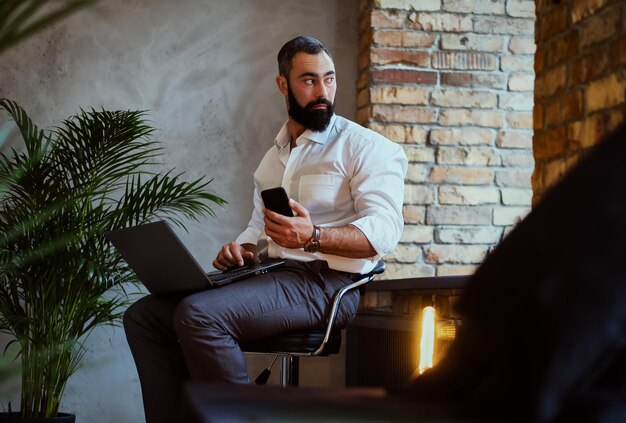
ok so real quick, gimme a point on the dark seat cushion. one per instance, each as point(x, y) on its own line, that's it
point(305, 341)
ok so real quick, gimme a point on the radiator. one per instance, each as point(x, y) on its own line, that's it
point(383, 342)
point(381, 351)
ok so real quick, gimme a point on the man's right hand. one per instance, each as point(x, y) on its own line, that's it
point(233, 254)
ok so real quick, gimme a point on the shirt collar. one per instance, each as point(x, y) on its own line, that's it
point(283, 137)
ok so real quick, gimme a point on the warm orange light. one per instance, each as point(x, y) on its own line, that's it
point(427, 340)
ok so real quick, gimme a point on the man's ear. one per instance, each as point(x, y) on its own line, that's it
point(281, 81)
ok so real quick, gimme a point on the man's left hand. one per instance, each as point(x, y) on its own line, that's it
point(289, 232)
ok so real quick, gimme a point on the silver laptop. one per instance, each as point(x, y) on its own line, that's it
point(164, 265)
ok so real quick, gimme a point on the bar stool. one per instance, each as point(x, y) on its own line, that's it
point(290, 346)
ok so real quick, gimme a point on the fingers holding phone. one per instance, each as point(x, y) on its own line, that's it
point(277, 200)
point(281, 225)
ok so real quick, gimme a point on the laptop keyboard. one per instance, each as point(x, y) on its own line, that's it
point(216, 277)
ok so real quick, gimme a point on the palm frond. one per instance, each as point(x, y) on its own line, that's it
point(20, 19)
point(103, 147)
point(164, 196)
point(34, 138)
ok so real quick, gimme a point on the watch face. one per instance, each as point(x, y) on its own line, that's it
point(312, 247)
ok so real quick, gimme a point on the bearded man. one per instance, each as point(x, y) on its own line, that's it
point(346, 187)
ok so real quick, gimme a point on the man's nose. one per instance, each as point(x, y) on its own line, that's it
point(322, 91)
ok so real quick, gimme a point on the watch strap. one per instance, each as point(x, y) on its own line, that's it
point(313, 244)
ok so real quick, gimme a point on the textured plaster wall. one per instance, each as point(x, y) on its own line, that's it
point(204, 70)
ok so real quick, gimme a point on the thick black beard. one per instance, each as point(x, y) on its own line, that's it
point(315, 120)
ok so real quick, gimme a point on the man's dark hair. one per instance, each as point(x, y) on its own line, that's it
point(307, 45)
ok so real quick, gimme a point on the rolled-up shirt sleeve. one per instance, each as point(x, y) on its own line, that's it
point(377, 188)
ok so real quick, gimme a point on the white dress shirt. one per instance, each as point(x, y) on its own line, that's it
point(347, 174)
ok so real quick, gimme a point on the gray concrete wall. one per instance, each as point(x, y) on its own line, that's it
point(204, 70)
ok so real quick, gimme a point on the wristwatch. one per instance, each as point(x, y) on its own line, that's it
point(313, 244)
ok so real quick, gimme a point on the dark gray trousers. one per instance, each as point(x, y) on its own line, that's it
point(197, 338)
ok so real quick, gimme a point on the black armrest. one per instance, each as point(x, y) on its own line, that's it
point(377, 270)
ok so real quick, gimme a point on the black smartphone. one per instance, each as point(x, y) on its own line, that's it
point(276, 200)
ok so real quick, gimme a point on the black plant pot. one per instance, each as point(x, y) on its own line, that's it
point(17, 418)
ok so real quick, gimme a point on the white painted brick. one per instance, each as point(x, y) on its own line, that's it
point(420, 234)
point(522, 45)
point(405, 253)
point(513, 178)
point(444, 22)
point(468, 234)
point(402, 271)
point(460, 254)
point(457, 98)
point(515, 139)
point(504, 216)
point(416, 173)
point(468, 156)
point(516, 101)
point(517, 64)
point(418, 194)
point(414, 214)
point(517, 197)
point(409, 134)
point(458, 215)
point(474, 42)
point(518, 159)
point(462, 117)
point(419, 154)
point(503, 25)
point(464, 136)
point(415, 134)
point(399, 95)
point(466, 147)
point(478, 7)
point(461, 195)
point(523, 120)
point(521, 8)
point(459, 175)
point(522, 82)
point(408, 4)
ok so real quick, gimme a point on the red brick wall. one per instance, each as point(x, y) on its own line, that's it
point(580, 90)
point(452, 81)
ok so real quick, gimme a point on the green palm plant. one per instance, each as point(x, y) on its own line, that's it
point(19, 19)
point(59, 277)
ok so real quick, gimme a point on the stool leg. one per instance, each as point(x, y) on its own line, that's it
point(289, 371)
point(295, 371)
point(285, 370)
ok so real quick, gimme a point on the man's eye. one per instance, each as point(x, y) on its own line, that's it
point(309, 81)
point(330, 80)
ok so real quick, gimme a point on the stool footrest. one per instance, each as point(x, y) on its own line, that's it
point(297, 342)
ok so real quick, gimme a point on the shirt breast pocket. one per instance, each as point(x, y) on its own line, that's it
point(318, 193)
